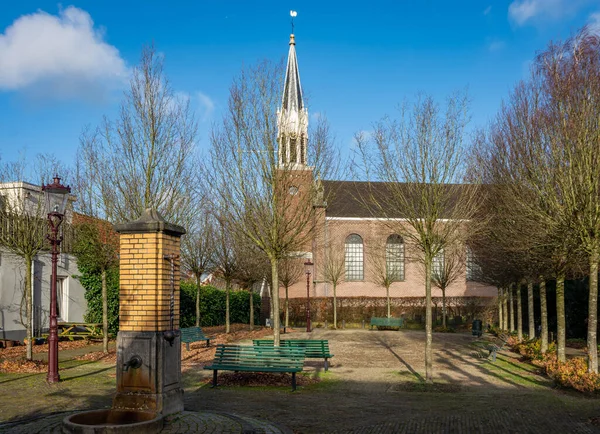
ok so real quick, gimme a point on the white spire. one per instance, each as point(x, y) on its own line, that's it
point(292, 117)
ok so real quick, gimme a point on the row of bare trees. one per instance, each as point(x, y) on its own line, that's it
point(539, 163)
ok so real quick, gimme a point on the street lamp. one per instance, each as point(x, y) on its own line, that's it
point(56, 196)
point(308, 269)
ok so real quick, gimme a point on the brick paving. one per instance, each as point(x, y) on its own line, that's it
point(370, 388)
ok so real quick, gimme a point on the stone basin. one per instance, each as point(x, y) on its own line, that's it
point(113, 421)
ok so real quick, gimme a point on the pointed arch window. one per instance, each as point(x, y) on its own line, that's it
point(354, 257)
point(303, 150)
point(283, 150)
point(293, 150)
point(394, 258)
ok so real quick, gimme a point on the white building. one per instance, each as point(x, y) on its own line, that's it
point(71, 303)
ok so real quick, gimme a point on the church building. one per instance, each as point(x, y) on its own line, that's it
point(349, 235)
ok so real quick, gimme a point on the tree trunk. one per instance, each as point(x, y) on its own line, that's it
point(275, 301)
point(592, 341)
point(500, 314)
point(287, 308)
point(428, 324)
point(531, 317)
point(389, 306)
point(227, 324)
point(519, 313)
point(28, 306)
point(104, 313)
point(444, 308)
point(334, 306)
point(512, 309)
point(505, 308)
point(544, 315)
point(561, 329)
point(251, 309)
point(198, 300)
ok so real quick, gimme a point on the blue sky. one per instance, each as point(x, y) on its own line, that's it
point(64, 65)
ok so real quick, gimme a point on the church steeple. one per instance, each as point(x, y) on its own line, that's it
point(292, 117)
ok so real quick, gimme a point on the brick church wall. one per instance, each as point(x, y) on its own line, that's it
point(333, 232)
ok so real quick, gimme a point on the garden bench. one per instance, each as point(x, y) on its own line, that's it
point(257, 359)
point(313, 348)
point(193, 334)
point(497, 346)
point(387, 322)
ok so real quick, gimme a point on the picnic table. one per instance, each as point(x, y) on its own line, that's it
point(72, 330)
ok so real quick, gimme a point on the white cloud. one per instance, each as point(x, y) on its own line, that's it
point(523, 11)
point(594, 22)
point(496, 45)
point(207, 106)
point(487, 10)
point(59, 56)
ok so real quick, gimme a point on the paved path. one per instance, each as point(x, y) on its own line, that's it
point(374, 386)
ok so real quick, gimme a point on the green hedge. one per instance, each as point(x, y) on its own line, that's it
point(212, 306)
point(92, 282)
point(212, 303)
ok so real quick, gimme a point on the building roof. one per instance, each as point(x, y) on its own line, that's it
point(356, 199)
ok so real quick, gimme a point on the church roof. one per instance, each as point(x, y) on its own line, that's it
point(351, 199)
point(292, 94)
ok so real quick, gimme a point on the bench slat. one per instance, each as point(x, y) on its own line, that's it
point(193, 334)
point(314, 348)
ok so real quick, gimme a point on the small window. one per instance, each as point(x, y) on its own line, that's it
point(394, 258)
point(437, 265)
point(354, 258)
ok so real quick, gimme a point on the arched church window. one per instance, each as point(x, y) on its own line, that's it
point(303, 150)
point(354, 257)
point(283, 151)
point(293, 151)
point(394, 258)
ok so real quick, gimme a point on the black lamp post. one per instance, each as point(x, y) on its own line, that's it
point(308, 269)
point(56, 202)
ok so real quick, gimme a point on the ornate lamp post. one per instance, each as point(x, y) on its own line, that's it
point(308, 269)
point(56, 196)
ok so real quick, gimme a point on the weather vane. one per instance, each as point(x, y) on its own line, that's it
point(293, 14)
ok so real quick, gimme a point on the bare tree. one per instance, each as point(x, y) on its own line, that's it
point(226, 264)
point(290, 271)
point(144, 158)
point(449, 270)
point(252, 267)
point(419, 157)
point(198, 253)
point(23, 229)
point(571, 84)
point(334, 270)
point(270, 203)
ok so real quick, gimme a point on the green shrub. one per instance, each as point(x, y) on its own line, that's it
point(212, 306)
point(532, 349)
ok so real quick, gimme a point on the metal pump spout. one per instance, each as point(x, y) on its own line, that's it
point(134, 362)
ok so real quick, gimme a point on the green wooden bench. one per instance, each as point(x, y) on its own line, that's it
point(387, 322)
point(313, 348)
point(193, 334)
point(498, 345)
point(257, 359)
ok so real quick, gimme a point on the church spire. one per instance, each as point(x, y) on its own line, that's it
point(292, 117)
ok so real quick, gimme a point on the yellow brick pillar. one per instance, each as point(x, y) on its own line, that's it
point(148, 342)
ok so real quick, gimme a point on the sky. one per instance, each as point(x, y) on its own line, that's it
point(64, 66)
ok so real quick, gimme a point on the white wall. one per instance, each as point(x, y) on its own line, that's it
point(12, 282)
